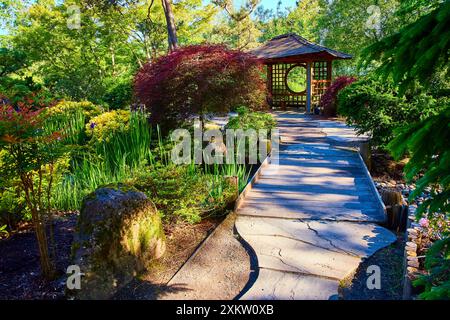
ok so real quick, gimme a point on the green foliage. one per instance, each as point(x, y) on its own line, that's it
point(374, 108)
point(240, 171)
point(111, 42)
point(170, 188)
point(119, 95)
point(88, 109)
point(120, 146)
point(11, 61)
point(428, 144)
point(3, 231)
point(437, 262)
point(247, 119)
point(30, 154)
point(106, 125)
point(304, 19)
point(12, 207)
point(417, 51)
point(12, 201)
point(351, 25)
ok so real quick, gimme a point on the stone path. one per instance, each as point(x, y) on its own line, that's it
point(313, 217)
point(218, 270)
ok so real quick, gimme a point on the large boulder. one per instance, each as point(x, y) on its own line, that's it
point(119, 234)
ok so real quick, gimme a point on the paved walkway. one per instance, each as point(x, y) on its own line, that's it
point(312, 218)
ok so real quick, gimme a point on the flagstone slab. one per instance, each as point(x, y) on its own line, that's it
point(357, 239)
point(276, 285)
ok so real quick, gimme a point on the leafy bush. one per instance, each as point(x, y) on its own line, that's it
point(103, 127)
point(119, 96)
point(12, 207)
point(171, 187)
point(88, 109)
point(120, 146)
point(428, 144)
point(12, 201)
point(247, 119)
point(199, 79)
point(374, 108)
point(328, 102)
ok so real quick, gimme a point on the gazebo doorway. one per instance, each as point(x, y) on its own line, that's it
point(298, 71)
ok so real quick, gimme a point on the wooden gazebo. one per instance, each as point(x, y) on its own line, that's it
point(291, 56)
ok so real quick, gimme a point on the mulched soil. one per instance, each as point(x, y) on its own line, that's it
point(182, 239)
point(19, 263)
point(385, 168)
point(20, 272)
point(390, 261)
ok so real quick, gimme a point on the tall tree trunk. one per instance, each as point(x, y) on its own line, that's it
point(171, 29)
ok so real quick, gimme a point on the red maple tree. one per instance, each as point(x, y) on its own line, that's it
point(328, 101)
point(197, 79)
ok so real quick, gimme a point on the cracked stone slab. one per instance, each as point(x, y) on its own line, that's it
point(357, 239)
point(276, 285)
point(285, 252)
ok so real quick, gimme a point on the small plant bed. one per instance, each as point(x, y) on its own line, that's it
point(20, 274)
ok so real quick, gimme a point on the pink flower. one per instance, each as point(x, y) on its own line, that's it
point(423, 222)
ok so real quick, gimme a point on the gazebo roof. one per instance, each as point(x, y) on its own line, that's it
point(291, 45)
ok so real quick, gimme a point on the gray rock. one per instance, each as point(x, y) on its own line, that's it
point(119, 234)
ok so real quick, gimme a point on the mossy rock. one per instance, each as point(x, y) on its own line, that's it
point(119, 234)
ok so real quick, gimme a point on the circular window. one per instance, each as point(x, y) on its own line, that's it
point(296, 79)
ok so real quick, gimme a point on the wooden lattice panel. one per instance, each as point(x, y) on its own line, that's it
point(281, 95)
point(321, 80)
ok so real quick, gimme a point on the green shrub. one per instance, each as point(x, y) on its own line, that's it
point(374, 108)
point(104, 126)
point(247, 119)
point(437, 281)
point(89, 109)
point(119, 95)
point(12, 207)
point(181, 192)
point(70, 118)
point(428, 144)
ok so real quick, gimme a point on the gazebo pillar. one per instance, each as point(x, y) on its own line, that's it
point(308, 86)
